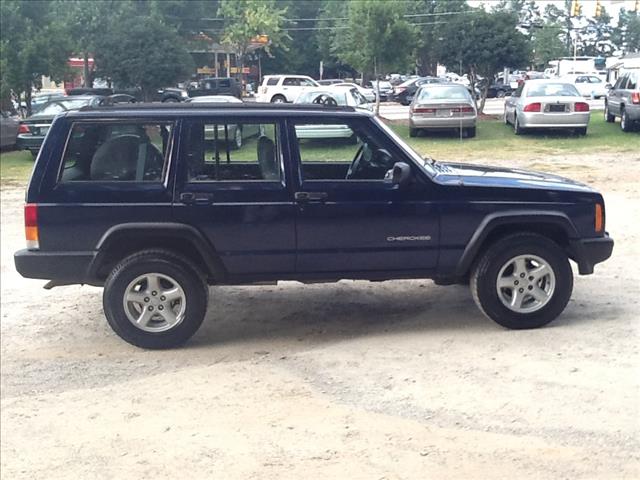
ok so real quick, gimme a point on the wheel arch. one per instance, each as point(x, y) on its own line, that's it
point(125, 239)
point(554, 225)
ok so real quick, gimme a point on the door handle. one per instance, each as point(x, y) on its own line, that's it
point(191, 198)
point(303, 197)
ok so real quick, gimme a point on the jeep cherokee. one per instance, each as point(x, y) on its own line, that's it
point(151, 202)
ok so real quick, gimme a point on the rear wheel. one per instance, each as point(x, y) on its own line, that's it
point(625, 124)
point(413, 132)
point(500, 94)
point(278, 99)
point(522, 281)
point(170, 100)
point(517, 129)
point(607, 116)
point(581, 131)
point(470, 132)
point(155, 299)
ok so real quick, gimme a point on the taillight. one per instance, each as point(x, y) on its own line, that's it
point(581, 107)
point(462, 110)
point(635, 97)
point(599, 218)
point(23, 128)
point(424, 110)
point(533, 107)
point(31, 226)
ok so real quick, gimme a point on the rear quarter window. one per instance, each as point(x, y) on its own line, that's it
point(117, 152)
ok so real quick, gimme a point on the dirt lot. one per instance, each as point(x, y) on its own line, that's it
point(393, 380)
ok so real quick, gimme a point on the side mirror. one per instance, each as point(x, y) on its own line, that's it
point(608, 86)
point(399, 175)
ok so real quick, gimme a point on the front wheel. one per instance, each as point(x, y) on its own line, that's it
point(155, 299)
point(607, 116)
point(522, 281)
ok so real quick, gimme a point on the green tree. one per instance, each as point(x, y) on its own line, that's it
point(548, 45)
point(33, 45)
point(596, 39)
point(375, 38)
point(626, 34)
point(246, 19)
point(429, 27)
point(484, 43)
point(142, 52)
point(83, 21)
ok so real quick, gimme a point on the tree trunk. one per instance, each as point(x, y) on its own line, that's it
point(27, 100)
point(86, 81)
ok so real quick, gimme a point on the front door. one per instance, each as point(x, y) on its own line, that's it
point(234, 192)
point(348, 218)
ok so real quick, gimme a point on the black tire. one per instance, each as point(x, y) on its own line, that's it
point(278, 99)
point(164, 262)
point(470, 132)
point(581, 131)
point(485, 275)
point(500, 94)
point(413, 132)
point(517, 129)
point(607, 116)
point(171, 100)
point(625, 124)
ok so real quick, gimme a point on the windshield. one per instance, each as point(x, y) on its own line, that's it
point(443, 93)
point(63, 105)
point(552, 90)
point(309, 97)
point(425, 163)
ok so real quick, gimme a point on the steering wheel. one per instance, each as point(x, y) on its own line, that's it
point(356, 165)
point(326, 100)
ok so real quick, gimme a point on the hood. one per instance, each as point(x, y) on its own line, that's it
point(502, 177)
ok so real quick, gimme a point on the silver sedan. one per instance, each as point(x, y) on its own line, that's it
point(549, 104)
point(443, 106)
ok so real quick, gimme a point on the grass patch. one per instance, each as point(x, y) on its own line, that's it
point(496, 140)
point(15, 166)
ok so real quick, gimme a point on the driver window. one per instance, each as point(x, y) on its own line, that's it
point(338, 151)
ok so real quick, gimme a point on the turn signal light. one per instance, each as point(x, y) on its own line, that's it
point(533, 107)
point(23, 128)
point(599, 218)
point(635, 97)
point(31, 226)
point(581, 107)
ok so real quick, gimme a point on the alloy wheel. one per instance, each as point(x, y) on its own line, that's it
point(525, 283)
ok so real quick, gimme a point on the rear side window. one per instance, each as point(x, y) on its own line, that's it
point(117, 152)
point(632, 84)
point(218, 152)
point(273, 81)
point(224, 83)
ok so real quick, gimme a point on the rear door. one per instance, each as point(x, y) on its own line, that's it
point(348, 218)
point(237, 196)
point(615, 95)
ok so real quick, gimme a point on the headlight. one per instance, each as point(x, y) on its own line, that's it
point(184, 94)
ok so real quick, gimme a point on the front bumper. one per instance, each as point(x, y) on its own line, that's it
point(62, 267)
point(591, 251)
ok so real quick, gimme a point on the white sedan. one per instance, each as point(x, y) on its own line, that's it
point(367, 93)
point(550, 104)
point(588, 85)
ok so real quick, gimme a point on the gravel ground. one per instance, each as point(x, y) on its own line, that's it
point(352, 380)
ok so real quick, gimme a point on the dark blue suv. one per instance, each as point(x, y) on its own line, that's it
point(157, 202)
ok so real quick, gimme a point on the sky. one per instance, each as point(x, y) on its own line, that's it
point(588, 6)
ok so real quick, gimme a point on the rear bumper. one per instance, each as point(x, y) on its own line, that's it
point(445, 122)
point(591, 251)
point(29, 142)
point(554, 120)
point(63, 267)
